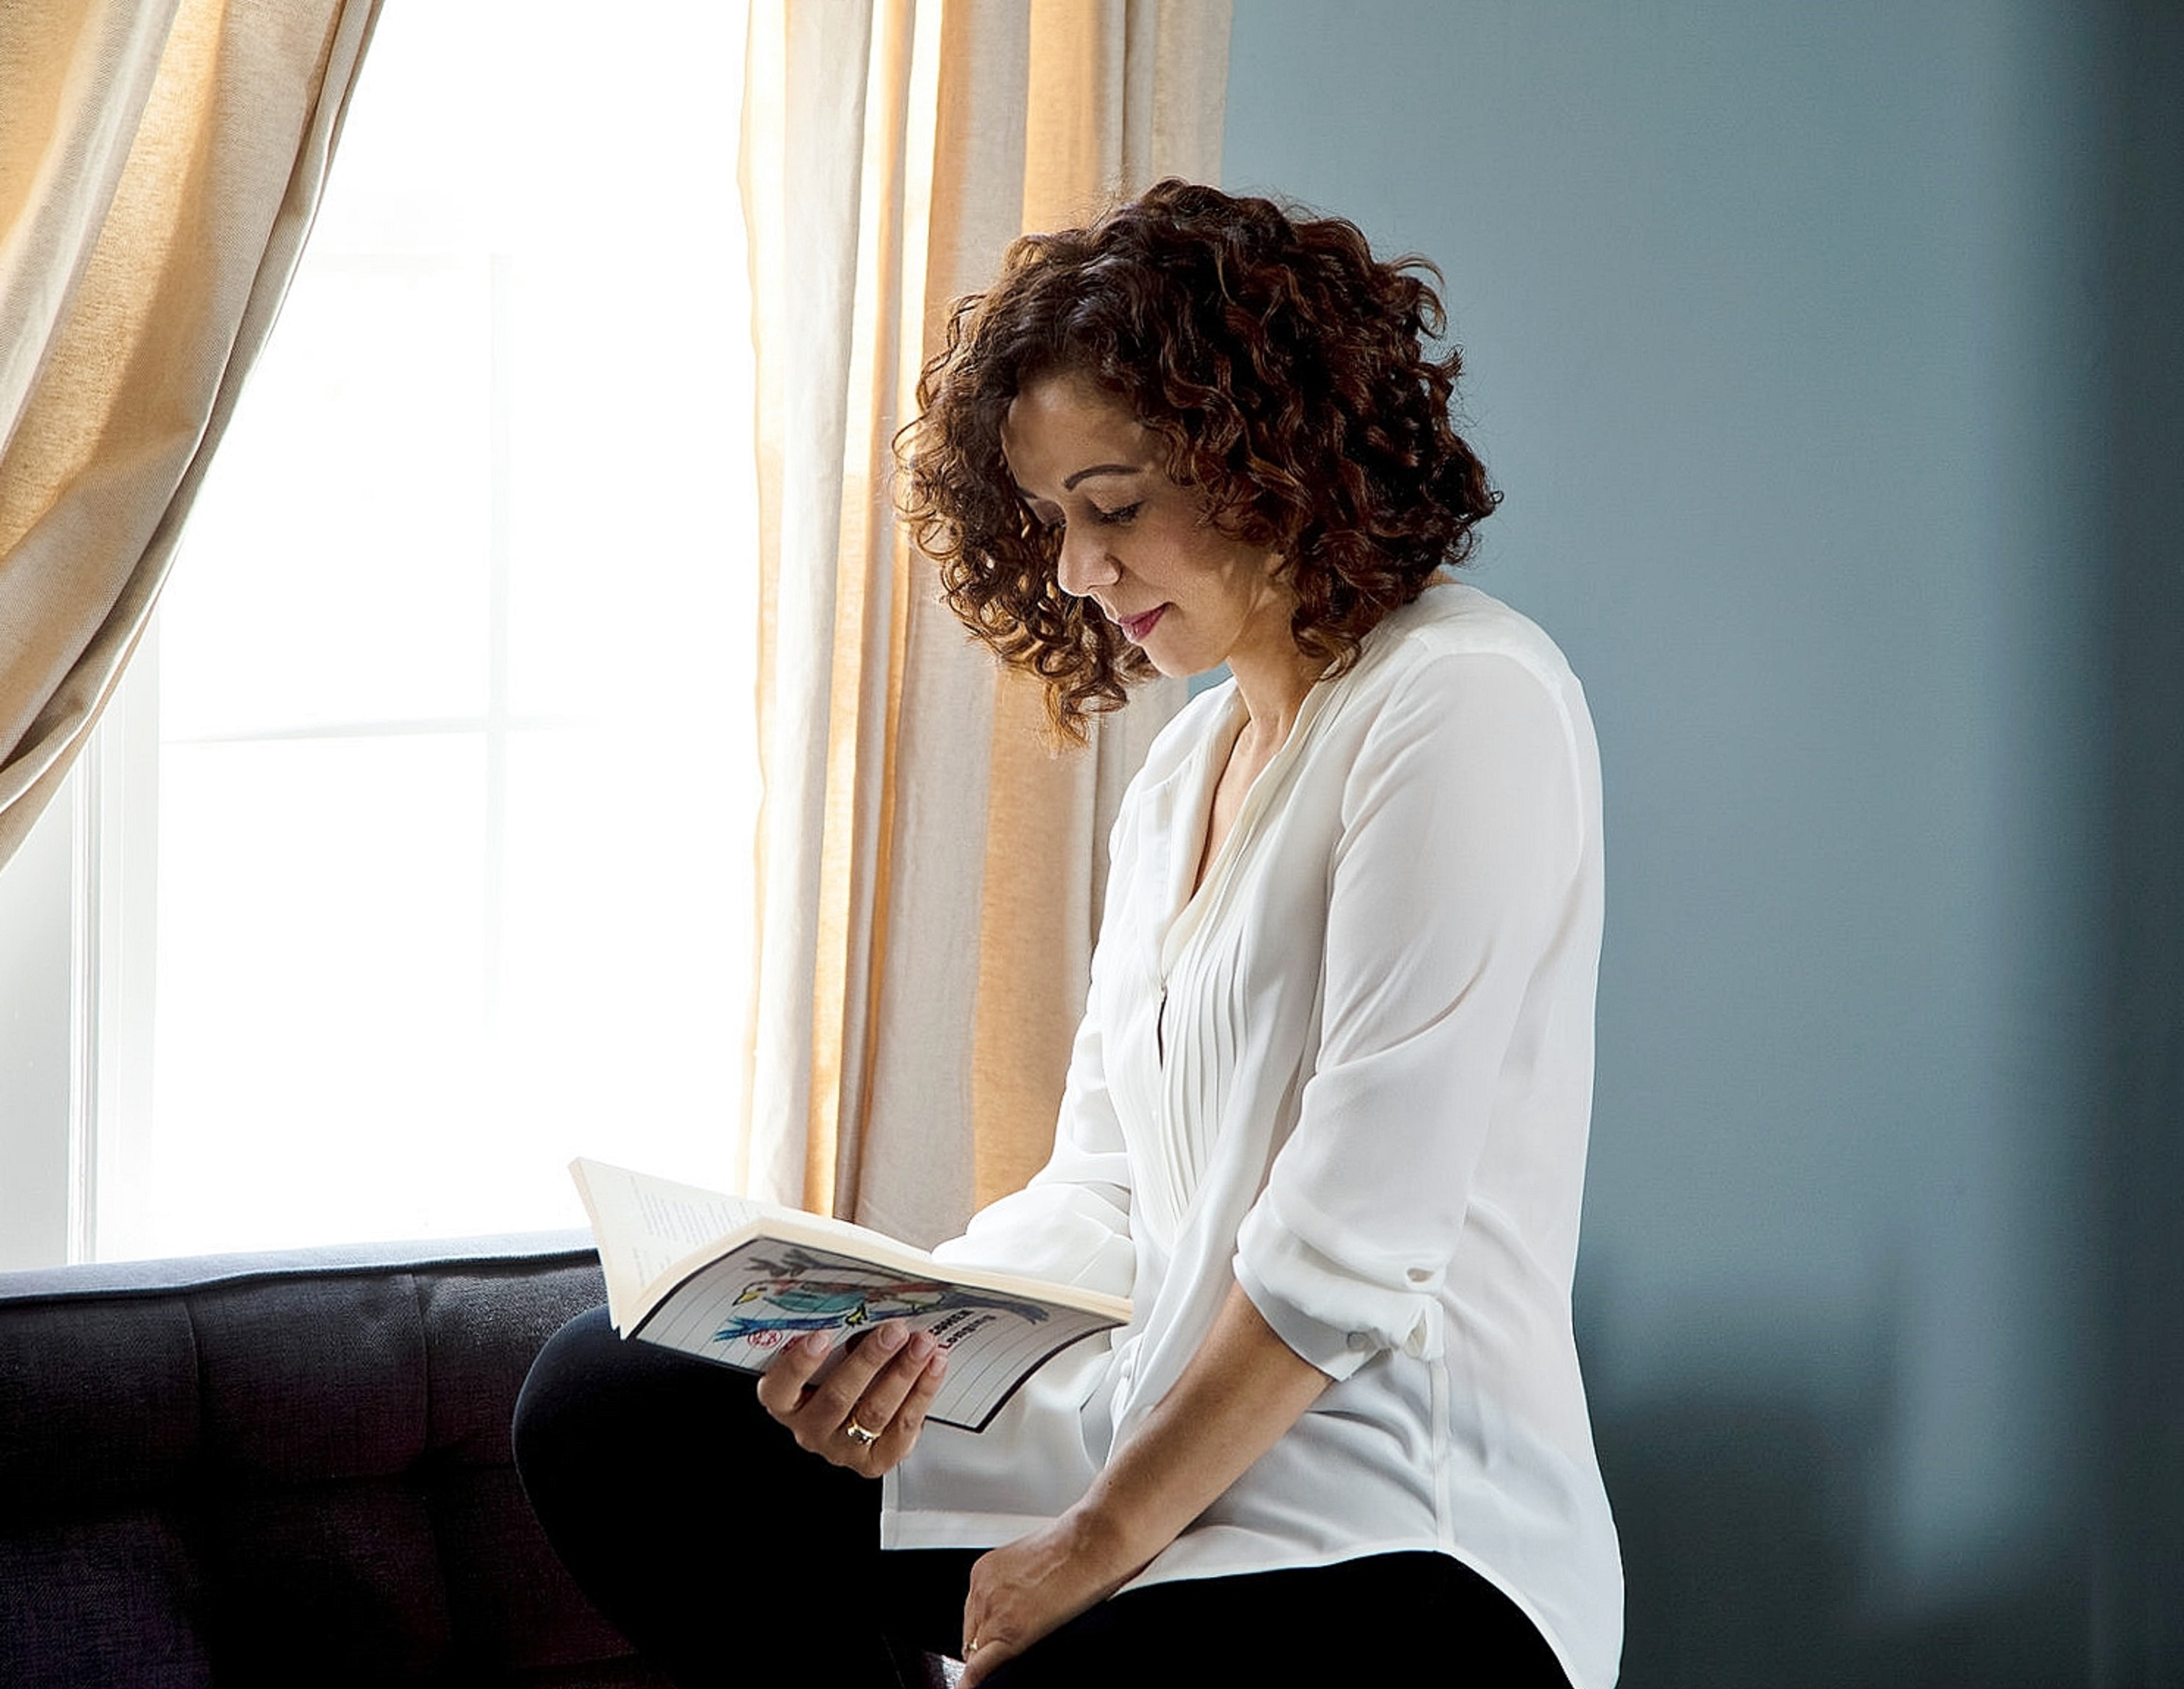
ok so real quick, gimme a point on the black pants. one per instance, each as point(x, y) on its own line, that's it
point(730, 1557)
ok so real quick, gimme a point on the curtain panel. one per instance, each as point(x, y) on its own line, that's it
point(160, 162)
point(929, 867)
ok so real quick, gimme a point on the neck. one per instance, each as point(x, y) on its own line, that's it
point(1272, 684)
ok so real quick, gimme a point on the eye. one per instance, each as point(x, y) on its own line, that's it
point(1117, 518)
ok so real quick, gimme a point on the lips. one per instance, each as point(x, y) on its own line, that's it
point(1135, 628)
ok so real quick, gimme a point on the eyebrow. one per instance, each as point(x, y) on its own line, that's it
point(1070, 485)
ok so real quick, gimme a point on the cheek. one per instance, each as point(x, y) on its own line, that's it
point(1246, 575)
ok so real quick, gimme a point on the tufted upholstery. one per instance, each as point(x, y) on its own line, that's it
point(286, 1469)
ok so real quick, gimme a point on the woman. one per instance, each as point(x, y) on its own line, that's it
point(1327, 1113)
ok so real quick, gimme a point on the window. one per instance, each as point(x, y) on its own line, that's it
point(452, 801)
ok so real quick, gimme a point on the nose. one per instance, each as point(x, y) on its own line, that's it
point(1084, 563)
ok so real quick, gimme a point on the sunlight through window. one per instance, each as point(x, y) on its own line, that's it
point(456, 781)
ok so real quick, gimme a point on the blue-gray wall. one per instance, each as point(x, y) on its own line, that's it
point(1802, 342)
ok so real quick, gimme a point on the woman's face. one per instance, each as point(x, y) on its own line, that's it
point(1135, 543)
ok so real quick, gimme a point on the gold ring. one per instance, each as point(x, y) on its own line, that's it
point(857, 1434)
point(972, 1648)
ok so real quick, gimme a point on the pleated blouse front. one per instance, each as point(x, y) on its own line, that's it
point(1352, 1072)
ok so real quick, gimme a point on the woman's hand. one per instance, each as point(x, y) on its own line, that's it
point(1038, 1583)
point(867, 1412)
point(1240, 1392)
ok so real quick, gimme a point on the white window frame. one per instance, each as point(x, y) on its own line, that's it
point(37, 959)
point(78, 905)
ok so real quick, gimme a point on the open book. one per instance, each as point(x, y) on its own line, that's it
point(734, 1280)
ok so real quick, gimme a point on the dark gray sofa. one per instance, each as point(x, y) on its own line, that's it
point(290, 1468)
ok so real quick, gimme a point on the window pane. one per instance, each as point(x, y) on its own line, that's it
point(321, 959)
point(337, 567)
point(458, 779)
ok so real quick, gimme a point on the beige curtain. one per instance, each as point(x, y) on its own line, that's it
point(930, 869)
point(160, 161)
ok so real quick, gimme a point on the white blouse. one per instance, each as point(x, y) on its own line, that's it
point(1353, 1074)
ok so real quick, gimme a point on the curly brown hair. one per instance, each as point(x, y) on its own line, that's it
point(1285, 368)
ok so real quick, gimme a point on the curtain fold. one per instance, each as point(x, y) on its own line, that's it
point(159, 167)
point(929, 868)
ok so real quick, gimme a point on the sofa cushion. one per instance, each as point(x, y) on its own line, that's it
point(94, 1410)
point(287, 1468)
point(307, 1378)
point(112, 1600)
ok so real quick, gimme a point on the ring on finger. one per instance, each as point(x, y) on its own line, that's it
point(858, 1435)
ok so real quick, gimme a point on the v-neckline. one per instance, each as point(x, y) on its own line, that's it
point(1188, 892)
point(1188, 903)
point(1220, 761)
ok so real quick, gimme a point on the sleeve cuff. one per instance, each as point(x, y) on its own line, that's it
point(1329, 1348)
point(1332, 1318)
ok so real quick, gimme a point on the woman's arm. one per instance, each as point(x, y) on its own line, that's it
point(1459, 938)
point(1241, 1391)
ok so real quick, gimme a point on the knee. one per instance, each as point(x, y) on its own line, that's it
point(600, 1411)
point(562, 1386)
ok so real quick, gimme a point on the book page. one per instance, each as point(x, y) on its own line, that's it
point(646, 1225)
point(743, 1309)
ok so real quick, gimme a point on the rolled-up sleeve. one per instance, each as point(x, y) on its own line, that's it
point(1456, 865)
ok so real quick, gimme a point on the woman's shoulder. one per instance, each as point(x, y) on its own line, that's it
point(1455, 619)
point(1404, 655)
point(1462, 682)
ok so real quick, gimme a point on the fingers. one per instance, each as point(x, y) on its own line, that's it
point(910, 1414)
point(828, 1406)
point(883, 1385)
point(789, 1392)
point(894, 1405)
point(983, 1657)
point(986, 1641)
point(878, 1405)
point(780, 1386)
